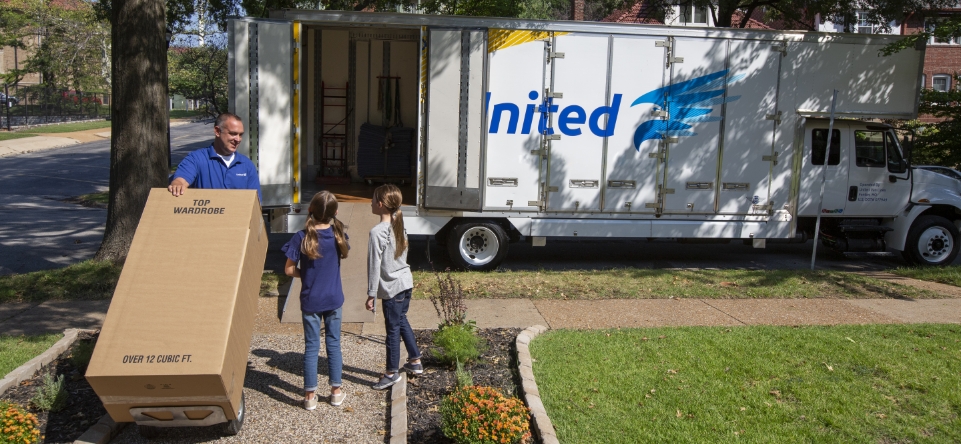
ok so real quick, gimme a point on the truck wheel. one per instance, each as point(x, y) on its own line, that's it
point(477, 246)
point(932, 240)
point(233, 426)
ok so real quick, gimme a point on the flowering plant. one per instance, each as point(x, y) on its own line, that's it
point(482, 415)
point(17, 426)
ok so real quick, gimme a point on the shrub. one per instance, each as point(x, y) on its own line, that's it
point(51, 396)
point(81, 353)
point(449, 302)
point(457, 343)
point(464, 378)
point(17, 426)
point(482, 415)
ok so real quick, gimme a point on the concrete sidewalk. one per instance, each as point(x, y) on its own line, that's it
point(55, 316)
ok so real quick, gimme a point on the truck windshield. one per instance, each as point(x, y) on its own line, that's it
point(877, 149)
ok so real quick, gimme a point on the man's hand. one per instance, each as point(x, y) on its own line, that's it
point(370, 304)
point(178, 186)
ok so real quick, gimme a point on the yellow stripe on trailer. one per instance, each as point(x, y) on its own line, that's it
point(295, 155)
point(498, 39)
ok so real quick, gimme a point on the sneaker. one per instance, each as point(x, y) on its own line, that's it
point(310, 404)
point(386, 381)
point(338, 399)
point(416, 369)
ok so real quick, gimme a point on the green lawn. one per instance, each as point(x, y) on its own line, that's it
point(17, 350)
point(84, 280)
point(4, 135)
point(851, 384)
point(101, 198)
point(628, 283)
point(950, 275)
point(181, 114)
point(87, 280)
point(69, 127)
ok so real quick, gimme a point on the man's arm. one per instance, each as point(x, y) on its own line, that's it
point(178, 186)
point(186, 173)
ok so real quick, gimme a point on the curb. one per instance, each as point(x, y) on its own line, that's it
point(101, 432)
point(398, 411)
point(26, 371)
point(525, 366)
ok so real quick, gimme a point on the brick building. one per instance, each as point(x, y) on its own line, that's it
point(11, 58)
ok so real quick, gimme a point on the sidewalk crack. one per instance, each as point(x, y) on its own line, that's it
point(705, 301)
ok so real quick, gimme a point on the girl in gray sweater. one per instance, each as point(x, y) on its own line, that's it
point(389, 279)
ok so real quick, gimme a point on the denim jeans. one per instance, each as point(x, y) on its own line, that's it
point(335, 360)
point(395, 321)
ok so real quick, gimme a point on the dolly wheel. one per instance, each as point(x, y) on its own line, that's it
point(233, 426)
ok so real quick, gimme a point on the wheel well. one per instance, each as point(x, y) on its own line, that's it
point(512, 232)
point(946, 211)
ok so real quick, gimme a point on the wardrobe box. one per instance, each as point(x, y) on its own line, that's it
point(179, 326)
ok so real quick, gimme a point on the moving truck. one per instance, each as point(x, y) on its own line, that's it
point(530, 130)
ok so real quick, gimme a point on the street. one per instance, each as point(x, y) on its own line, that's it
point(39, 231)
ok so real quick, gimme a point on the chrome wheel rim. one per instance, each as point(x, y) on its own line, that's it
point(935, 245)
point(478, 245)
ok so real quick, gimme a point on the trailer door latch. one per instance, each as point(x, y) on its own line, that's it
point(771, 158)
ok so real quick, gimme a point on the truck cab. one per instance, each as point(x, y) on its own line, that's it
point(868, 197)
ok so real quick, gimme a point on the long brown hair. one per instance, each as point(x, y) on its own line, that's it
point(323, 210)
point(389, 195)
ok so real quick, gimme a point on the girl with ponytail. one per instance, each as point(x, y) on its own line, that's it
point(318, 248)
point(389, 279)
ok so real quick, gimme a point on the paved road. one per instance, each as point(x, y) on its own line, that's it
point(37, 230)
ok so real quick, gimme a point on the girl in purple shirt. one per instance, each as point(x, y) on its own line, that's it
point(318, 248)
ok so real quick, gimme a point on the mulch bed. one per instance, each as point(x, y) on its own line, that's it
point(83, 407)
point(496, 367)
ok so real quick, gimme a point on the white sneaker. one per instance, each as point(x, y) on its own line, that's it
point(338, 399)
point(310, 404)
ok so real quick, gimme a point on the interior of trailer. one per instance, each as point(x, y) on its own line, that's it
point(359, 110)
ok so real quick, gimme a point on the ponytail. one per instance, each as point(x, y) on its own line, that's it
point(340, 238)
point(397, 223)
point(310, 244)
point(390, 196)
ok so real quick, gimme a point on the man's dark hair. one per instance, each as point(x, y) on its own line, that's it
point(224, 117)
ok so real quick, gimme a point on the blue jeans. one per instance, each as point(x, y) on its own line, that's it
point(335, 360)
point(395, 321)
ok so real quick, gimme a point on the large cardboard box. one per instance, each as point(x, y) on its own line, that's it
point(180, 323)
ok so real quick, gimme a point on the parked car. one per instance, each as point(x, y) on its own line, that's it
point(10, 101)
point(950, 172)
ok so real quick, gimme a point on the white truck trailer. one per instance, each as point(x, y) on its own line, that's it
point(531, 130)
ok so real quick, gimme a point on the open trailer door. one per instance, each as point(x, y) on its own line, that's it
point(260, 91)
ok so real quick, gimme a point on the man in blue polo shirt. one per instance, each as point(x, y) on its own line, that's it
point(219, 166)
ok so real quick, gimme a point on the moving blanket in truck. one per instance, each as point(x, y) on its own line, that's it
point(181, 319)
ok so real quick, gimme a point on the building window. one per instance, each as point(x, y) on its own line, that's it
point(693, 14)
point(864, 25)
point(941, 82)
point(924, 79)
point(929, 26)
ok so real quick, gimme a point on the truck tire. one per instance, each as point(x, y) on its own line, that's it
point(932, 240)
point(148, 432)
point(479, 246)
point(233, 426)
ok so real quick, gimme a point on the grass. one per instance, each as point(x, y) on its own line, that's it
point(634, 283)
point(4, 135)
point(100, 198)
point(87, 280)
point(870, 384)
point(182, 114)
point(950, 275)
point(17, 350)
point(68, 127)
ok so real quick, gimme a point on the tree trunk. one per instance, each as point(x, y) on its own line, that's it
point(138, 142)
